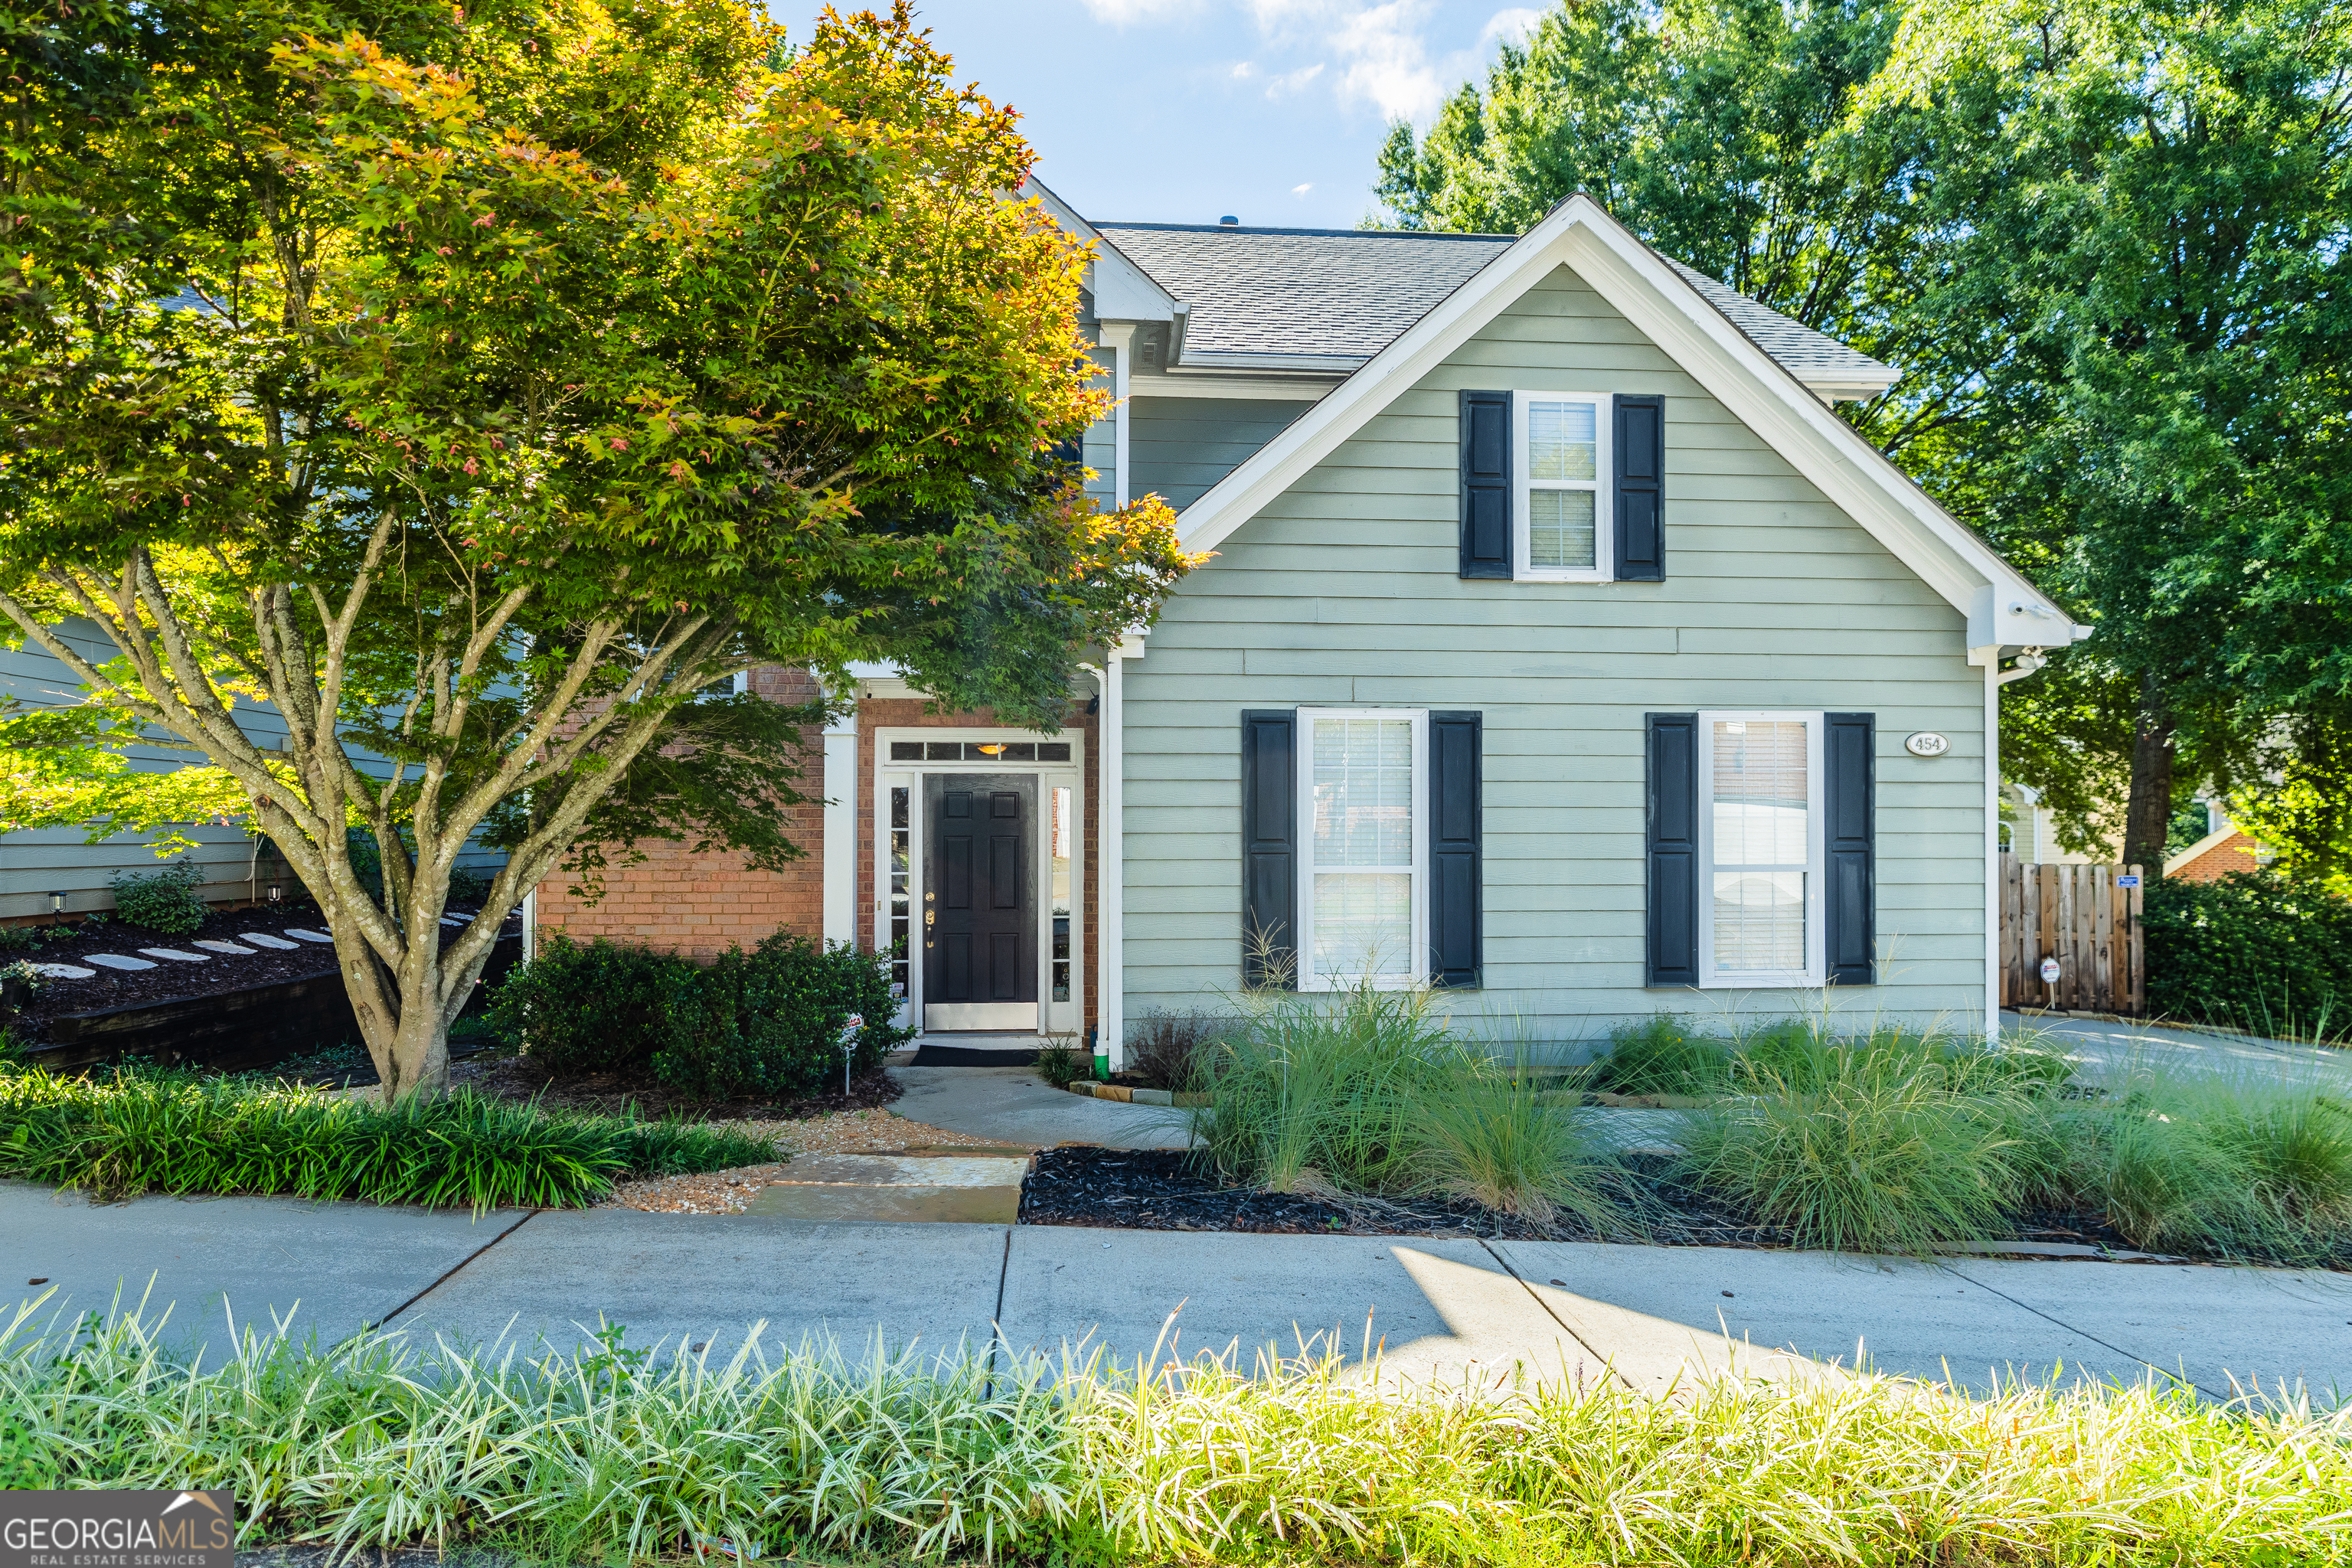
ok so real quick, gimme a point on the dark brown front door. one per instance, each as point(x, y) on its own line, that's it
point(979, 898)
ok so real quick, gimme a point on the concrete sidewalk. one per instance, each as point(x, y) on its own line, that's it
point(1443, 1309)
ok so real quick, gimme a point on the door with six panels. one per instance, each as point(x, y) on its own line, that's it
point(980, 899)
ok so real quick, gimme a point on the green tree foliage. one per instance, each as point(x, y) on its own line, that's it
point(478, 386)
point(2109, 244)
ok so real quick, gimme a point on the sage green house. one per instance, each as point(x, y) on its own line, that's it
point(1559, 644)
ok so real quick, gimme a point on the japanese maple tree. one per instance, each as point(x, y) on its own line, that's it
point(434, 407)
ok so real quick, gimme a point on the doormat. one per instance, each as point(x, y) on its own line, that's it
point(970, 1057)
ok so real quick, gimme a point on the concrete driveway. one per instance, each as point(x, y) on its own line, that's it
point(2104, 1048)
point(1430, 1308)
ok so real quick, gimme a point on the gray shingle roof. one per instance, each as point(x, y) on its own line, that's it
point(1342, 293)
point(1348, 293)
point(1808, 355)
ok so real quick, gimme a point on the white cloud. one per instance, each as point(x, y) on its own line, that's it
point(1125, 12)
point(1385, 56)
point(1302, 190)
point(1243, 71)
point(1291, 82)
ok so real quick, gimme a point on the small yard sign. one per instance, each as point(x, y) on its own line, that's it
point(2126, 882)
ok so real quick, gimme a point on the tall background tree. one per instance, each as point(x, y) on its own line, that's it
point(2110, 245)
point(477, 389)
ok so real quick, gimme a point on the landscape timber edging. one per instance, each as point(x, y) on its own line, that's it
point(252, 1026)
point(1125, 1095)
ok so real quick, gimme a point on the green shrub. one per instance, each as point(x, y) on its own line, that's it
point(1164, 1049)
point(144, 1130)
point(1662, 1055)
point(768, 1023)
point(163, 901)
point(579, 1008)
point(20, 938)
point(2251, 951)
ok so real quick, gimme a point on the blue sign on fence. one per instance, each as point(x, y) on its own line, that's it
point(2126, 882)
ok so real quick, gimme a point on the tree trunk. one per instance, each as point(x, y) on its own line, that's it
point(2148, 815)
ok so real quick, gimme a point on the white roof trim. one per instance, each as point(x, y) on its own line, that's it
point(2003, 608)
point(1122, 290)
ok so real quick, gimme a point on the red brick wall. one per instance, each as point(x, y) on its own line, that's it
point(2235, 853)
point(905, 713)
point(699, 905)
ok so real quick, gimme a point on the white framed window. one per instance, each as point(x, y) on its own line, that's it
point(1760, 849)
point(1562, 468)
point(1363, 852)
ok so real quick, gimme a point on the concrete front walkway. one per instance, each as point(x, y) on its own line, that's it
point(1013, 1105)
point(1433, 1309)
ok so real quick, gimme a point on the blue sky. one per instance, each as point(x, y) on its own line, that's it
point(1183, 110)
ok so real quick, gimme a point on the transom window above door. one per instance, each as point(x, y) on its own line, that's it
point(979, 751)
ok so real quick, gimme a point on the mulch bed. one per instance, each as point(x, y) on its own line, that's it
point(170, 979)
point(516, 1078)
point(1157, 1189)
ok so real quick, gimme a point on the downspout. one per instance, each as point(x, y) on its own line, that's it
point(2030, 660)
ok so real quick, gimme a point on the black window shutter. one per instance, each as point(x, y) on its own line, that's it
point(1456, 895)
point(1849, 765)
point(1485, 484)
point(1640, 507)
point(1269, 847)
point(1672, 935)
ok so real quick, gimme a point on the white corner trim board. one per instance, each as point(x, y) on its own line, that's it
point(2003, 608)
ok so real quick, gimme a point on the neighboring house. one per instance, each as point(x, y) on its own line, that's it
point(42, 869)
point(2226, 848)
point(1561, 646)
point(2033, 831)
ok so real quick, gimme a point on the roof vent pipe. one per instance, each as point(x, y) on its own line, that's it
point(1229, 221)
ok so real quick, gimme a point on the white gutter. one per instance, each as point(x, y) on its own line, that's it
point(2027, 661)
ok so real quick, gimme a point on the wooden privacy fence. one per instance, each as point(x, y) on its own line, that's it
point(2086, 917)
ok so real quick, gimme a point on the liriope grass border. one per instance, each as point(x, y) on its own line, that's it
point(613, 1454)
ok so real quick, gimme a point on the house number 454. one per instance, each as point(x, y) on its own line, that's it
point(1927, 743)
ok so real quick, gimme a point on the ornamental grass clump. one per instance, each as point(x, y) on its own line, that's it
point(1369, 1094)
point(2258, 1171)
point(137, 1129)
point(1889, 1143)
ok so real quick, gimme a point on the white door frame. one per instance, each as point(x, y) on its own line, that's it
point(1052, 1017)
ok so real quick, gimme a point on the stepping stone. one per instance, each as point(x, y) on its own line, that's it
point(308, 935)
point(957, 1188)
point(63, 972)
point(117, 961)
point(215, 945)
point(175, 955)
point(263, 939)
point(454, 921)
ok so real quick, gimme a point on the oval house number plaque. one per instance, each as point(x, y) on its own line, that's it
point(1927, 743)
